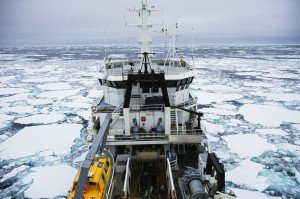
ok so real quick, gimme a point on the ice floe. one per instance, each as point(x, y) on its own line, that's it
point(40, 80)
point(208, 98)
point(41, 119)
point(280, 96)
point(18, 110)
point(268, 115)
point(247, 174)
point(31, 140)
point(36, 102)
point(50, 181)
point(14, 172)
point(55, 86)
point(218, 111)
point(58, 94)
point(16, 97)
point(213, 128)
point(246, 194)
point(271, 132)
point(9, 91)
point(248, 145)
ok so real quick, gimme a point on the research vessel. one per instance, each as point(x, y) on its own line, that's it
point(150, 123)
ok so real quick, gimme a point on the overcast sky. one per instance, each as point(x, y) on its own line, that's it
point(212, 21)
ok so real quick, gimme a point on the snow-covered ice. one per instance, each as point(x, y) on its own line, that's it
point(41, 119)
point(18, 110)
point(246, 194)
point(247, 173)
point(39, 101)
point(31, 140)
point(14, 172)
point(208, 98)
point(248, 145)
point(55, 86)
point(60, 94)
point(9, 91)
point(213, 128)
point(267, 115)
point(272, 132)
point(50, 181)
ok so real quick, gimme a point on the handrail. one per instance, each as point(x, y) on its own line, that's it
point(138, 107)
point(190, 102)
point(139, 137)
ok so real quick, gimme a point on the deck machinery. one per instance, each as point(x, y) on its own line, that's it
point(155, 133)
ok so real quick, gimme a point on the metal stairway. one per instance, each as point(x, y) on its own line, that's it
point(174, 122)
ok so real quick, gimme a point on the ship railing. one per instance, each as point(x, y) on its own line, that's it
point(190, 102)
point(116, 113)
point(168, 70)
point(138, 137)
point(187, 132)
point(150, 107)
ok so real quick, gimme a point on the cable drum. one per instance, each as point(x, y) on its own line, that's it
point(197, 190)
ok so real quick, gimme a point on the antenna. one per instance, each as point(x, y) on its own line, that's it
point(193, 47)
point(105, 46)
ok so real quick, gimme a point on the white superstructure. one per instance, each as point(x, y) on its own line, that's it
point(154, 119)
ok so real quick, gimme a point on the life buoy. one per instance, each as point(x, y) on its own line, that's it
point(143, 118)
point(94, 109)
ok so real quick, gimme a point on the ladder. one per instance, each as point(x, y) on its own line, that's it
point(174, 119)
point(181, 149)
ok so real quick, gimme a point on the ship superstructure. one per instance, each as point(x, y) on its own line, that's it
point(154, 131)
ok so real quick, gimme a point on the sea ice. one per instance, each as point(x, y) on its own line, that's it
point(18, 109)
point(58, 94)
point(247, 173)
point(280, 96)
point(217, 88)
point(50, 181)
point(16, 97)
point(218, 111)
point(14, 172)
point(41, 119)
point(258, 84)
point(268, 115)
point(35, 102)
point(213, 128)
point(9, 91)
point(85, 114)
point(55, 86)
point(272, 132)
point(30, 140)
point(246, 194)
point(248, 145)
point(40, 80)
point(207, 98)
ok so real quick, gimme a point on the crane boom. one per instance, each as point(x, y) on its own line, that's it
point(98, 145)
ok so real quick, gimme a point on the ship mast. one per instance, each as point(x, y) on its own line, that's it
point(145, 26)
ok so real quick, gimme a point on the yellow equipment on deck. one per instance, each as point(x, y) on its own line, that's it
point(98, 182)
